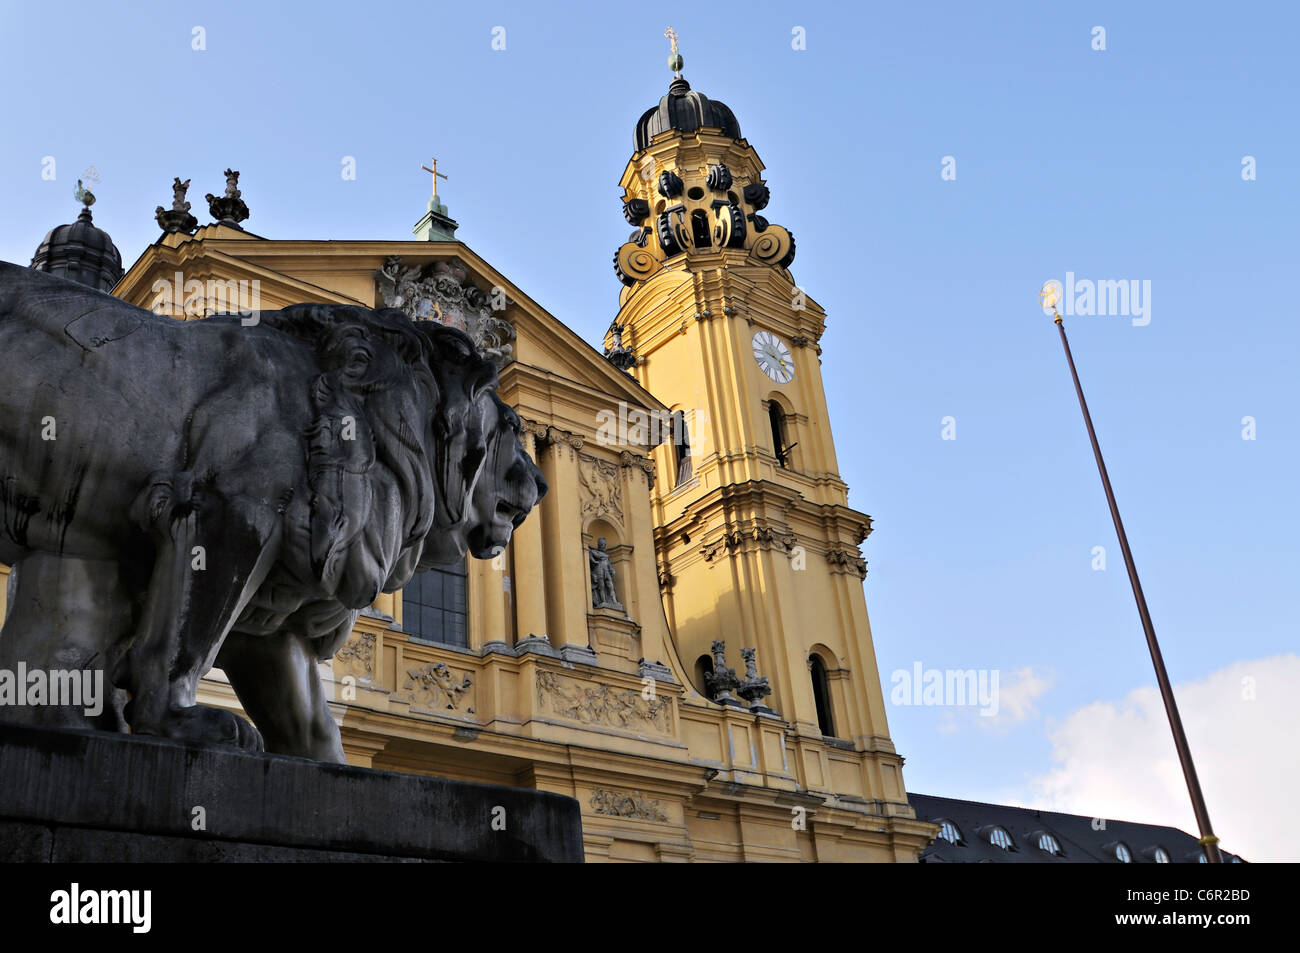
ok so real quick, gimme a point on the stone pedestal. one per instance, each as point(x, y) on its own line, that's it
point(90, 796)
point(613, 633)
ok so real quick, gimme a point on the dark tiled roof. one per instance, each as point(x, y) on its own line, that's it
point(1080, 843)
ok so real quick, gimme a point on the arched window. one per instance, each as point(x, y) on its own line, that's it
point(700, 232)
point(703, 669)
point(1161, 855)
point(434, 605)
point(950, 832)
point(1049, 844)
point(998, 837)
point(1122, 853)
point(822, 695)
point(776, 417)
point(681, 448)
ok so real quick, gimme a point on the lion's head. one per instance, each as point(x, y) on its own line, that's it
point(413, 459)
point(507, 489)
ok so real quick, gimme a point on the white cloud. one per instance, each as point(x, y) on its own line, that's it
point(1018, 696)
point(1015, 701)
point(1117, 759)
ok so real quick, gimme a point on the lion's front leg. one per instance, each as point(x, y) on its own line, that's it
point(277, 681)
point(211, 555)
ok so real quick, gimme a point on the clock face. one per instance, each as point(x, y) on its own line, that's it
point(773, 357)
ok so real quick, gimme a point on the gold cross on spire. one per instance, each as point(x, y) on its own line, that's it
point(672, 37)
point(435, 173)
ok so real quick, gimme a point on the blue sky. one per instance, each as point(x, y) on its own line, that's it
point(1117, 164)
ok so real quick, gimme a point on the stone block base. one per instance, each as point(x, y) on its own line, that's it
point(90, 796)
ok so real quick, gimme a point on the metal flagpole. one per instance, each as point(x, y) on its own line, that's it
point(1209, 843)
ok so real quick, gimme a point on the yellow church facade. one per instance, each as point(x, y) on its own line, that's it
point(695, 510)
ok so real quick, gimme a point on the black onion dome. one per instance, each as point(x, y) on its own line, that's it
point(685, 110)
point(80, 252)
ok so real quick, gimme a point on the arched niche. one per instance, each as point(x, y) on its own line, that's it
point(620, 557)
point(700, 671)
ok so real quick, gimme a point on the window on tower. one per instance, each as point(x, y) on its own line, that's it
point(700, 231)
point(681, 449)
point(776, 417)
point(822, 695)
point(434, 605)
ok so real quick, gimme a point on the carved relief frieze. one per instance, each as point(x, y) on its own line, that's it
point(436, 687)
point(358, 655)
point(601, 704)
point(442, 291)
point(602, 494)
point(632, 804)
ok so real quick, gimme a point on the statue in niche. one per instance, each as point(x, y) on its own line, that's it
point(603, 594)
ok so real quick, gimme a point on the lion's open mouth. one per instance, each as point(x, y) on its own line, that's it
point(490, 538)
point(509, 511)
point(524, 487)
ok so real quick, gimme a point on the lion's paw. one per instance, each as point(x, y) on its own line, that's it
point(209, 725)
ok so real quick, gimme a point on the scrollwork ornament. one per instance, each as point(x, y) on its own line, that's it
point(636, 211)
point(757, 195)
point(775, 246)
point(632, 263)
point(670, 185)
point(719, 178)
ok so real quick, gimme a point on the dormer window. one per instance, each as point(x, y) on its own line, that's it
point(951, 833)
point(998, 837)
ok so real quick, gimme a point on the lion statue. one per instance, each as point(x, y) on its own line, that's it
point(231, 491)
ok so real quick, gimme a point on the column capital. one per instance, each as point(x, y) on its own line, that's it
point(635, 461)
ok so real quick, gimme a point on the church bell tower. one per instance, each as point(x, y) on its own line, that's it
point(756, 543)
